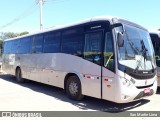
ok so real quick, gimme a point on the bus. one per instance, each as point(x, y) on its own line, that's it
point(155, 37)
point(104, 57)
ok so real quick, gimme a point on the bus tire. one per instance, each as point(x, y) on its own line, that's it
point(73, 88)
point(19, 76)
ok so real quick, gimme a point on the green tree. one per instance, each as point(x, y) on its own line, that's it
point(23, 33)
point(1, 43)
point(7, 35)
point(1, 46)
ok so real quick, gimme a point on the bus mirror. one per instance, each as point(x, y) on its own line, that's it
point(120, 39)
point(119, 25)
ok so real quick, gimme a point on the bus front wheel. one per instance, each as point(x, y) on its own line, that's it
point(19, 76)
point(73, 88)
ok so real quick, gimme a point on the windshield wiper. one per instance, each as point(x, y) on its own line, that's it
point(144, 50)
point(144, 54)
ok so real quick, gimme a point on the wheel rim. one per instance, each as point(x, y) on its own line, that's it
point(73, 88)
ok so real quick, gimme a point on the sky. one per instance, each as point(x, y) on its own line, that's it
point(24, 15)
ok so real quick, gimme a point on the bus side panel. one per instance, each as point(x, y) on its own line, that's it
point(28, 66)
point(49, 67)
point(88, 73)
point(9, 63)
point(109, 83)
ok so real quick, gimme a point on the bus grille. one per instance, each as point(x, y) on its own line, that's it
point(141, 76)
point(142, 94)
point(141, 87)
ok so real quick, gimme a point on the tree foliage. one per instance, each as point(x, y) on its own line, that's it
point(1, 43)
point(7, 35)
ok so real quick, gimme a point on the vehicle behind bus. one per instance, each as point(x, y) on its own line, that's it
point(155, 37)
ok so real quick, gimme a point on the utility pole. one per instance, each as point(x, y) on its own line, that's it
point(41, 21)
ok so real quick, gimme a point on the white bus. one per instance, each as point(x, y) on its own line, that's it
point(104, 57)
point(155, 37)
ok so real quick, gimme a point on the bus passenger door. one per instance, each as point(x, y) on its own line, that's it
point(91, 84)
point(108, 69)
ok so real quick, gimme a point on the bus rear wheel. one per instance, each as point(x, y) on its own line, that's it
point(19, 76)
point(73, 88)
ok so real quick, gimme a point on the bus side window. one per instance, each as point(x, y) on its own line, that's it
point(37, 46)
point(109, 52)
point(73, 41)
point(24, 45)
point(52, 42)
point(5, 47)
point(93, 47)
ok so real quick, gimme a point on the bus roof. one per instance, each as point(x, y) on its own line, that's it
point(111, 19)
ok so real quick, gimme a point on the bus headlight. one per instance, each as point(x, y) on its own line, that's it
point(127, 83)
point(133, 81)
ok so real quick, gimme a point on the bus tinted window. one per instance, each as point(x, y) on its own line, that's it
point(8, 45)
point(14, 46)
point(5, 47)
point(25, 44)
point(37, 44)
point(52, 42)
point(73, 41)
point(93, 47)
point(109, 52)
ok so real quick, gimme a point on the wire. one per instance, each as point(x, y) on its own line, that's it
point(26, 13)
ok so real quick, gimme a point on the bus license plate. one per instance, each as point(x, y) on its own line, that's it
point(147, 90)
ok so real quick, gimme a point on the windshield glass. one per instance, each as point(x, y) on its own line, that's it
point(137, 52)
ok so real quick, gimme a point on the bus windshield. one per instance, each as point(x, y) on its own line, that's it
point(137, 52)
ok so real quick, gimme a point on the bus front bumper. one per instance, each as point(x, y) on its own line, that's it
point(133, 94)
